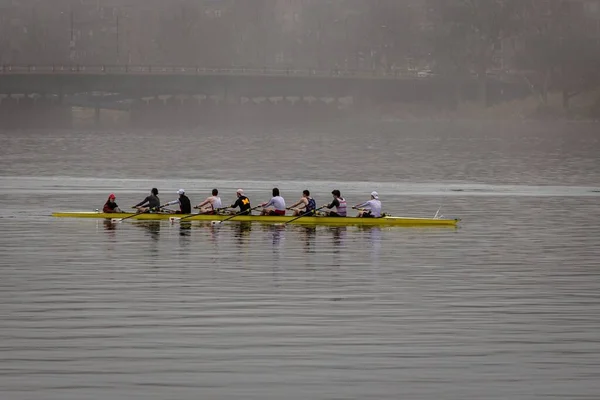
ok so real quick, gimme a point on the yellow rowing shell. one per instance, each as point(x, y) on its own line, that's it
point(341, 221)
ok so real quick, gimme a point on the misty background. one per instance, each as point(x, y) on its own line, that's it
point(545, 45)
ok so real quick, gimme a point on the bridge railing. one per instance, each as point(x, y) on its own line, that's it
point(196, 70)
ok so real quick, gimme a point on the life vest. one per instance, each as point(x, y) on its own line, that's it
point(310, 206)
point(341, 209)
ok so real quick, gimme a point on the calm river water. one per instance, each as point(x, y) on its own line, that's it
point(505, 307)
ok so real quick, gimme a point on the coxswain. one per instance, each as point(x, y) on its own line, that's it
point(185, 206)
point(211, 205)
point(150, 203)
point(305, 206)
point(110, 206)
point(371, 208)
point(242, 202)
point(339, 203)
point(275, 206)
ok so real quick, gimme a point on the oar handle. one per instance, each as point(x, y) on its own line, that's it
point(240, 213)
point(133, 215)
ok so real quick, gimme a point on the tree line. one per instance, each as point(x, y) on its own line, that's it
point(550, 44)
point(553, 44)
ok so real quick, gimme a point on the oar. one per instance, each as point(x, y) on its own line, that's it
point(304, 215)
point(117, 220)
point(131, 216)
point(235, 215)
point(173, 219)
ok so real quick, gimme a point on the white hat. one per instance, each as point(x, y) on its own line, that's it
point(180, 191)
point(240, 191)
point(375, 195)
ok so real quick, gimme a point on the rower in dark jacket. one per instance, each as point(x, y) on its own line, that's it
point(111, 206)
point(242, 202)
point(150, 203)
point(185, 206)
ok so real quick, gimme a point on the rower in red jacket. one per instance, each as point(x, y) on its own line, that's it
point(110, 206)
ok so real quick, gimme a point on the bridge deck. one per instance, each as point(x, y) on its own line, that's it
point(203, 71)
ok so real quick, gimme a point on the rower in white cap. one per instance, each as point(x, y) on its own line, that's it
point(371, 208)
point(185, 206)
point(242, 202)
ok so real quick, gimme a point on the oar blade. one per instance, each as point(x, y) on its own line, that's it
point(116, 220)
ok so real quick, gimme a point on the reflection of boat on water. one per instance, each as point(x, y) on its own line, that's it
point(343, 221)
point(338, 235)
point(109, 226)
point(277, 234)
point(373, 233)
point(243, 229)
point(151, 227)
point(309, 233)
point(185, 228)
point(185, 232)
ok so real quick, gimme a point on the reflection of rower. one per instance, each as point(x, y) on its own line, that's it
point(339, 203)
point(339, 235)
point(310, 233)
point(242, 232)
point(151, 227)
point(185, 206)
point(211, 204)
point(371, 208)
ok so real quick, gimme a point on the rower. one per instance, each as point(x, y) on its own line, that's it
point(185, 206)
point(275, 206)
point(242, 202)
point(110, 206)
point(150, 203)
point(339, 203)
point(307, 205)
point(212, 204)
point(371, 208)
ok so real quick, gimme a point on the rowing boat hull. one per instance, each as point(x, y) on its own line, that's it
point(385, 221)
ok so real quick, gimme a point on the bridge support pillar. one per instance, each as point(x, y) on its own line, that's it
point(97, 116)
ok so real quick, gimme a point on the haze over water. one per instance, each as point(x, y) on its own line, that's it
point(505, 307)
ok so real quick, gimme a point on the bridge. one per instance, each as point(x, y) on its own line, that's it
point(167, 93)
point(140, 80)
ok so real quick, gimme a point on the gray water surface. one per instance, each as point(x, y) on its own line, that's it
point(507, 306)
